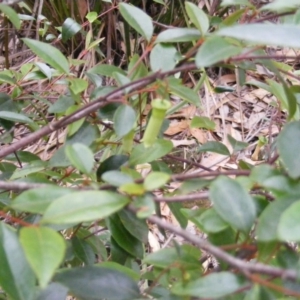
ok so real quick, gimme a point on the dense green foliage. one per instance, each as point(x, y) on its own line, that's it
point(85, 166)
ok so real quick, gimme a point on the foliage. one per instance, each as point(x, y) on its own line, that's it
point(86, 167)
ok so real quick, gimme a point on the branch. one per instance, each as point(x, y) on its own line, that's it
point(114, 96)
point(241, 265)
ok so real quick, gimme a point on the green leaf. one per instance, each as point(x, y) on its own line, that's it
point(288, 147)
point(114, 162)
point(137, 19)
point(163, 57)
point(197, 16)
point(175, 208)
point(286, 34)
point(116, 178)
point(124, 120)
point(141, 155)
point(177, 35)
point(53, 291)
point(83, 251)
point(156, 180)
point(185, 255)
point(211, 221)
point(15, 117)
point(7, 79)
point(126, 271)
point(215, 49)
point(49, 54)
point(281, 5)
point(16, 276)
point(267, 228)
point(133, 189)
point(83, 206)
point(106, 70)
point(289, 224)
point(69, 28)
point(234, 205)
point(135, 226)
point(236, 145)
point(184, 92)
point(44, 249)
point(212, 286)
point(11, 15)
point(97, 283)
point(61, 105)
point(77, 85)
point(123, 238)
point(203, 122)
point(215, 147)
point(37, 200)
point(81, 157)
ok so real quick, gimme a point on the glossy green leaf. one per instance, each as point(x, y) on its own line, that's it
point(44, 249)
point(7, 79)
point(163, 57)
point(215, 147)
point(122, 80)
point(212, 286)
point(135, 226)
point(141, 155)
point(137, 19)
point(211, 221)
point(114, 162)
point(69, 28)
point(116, 178)
point(234, 205)
point(37, 200)
point(133, 189)
point(288, 147)
point(83, 206)
point(124, 120)
point(197, 16)
point(97, 283)
point(48, 54)
point(81, 157)
point(186, 255)
point(53, 291)
point(215, 49)
point(83, 251)
point(16, 276)
point(77, 85)
point(156, 180)
point(125, 270)
point(15, 117)
point(203, 122)
point(106, 70)
point(235, 2)
point(45, 69)
point(289, 224)
point(175, 208)
point(267, 228)
point(184, 92)
point(123, 238)
point(286, 34)
point(11, 15)
point(177, 35)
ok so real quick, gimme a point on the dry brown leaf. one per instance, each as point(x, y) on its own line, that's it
point(177, 127)
point(184, 142)
point(186, 112)
point(199, 134)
